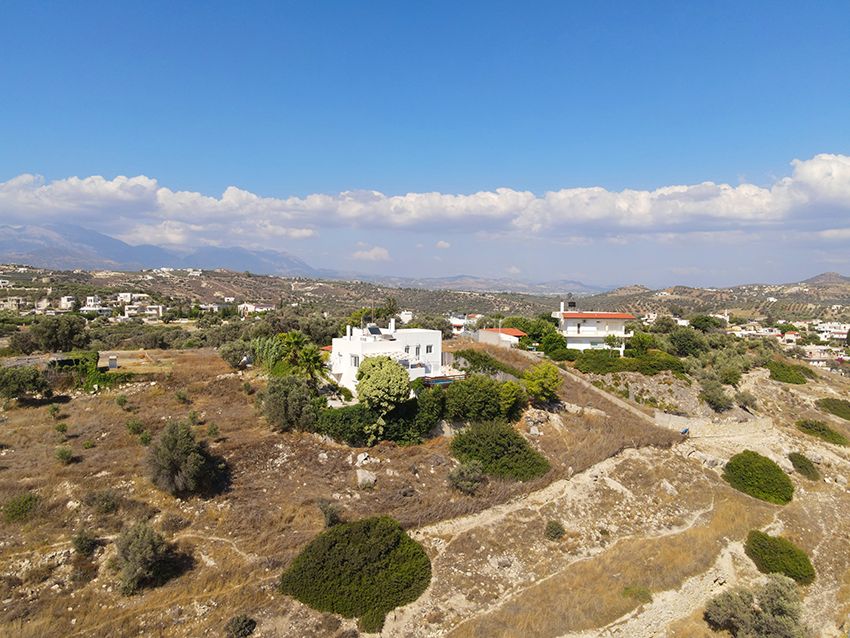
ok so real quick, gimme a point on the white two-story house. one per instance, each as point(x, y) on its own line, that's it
point(417, 350)
point(586, 329)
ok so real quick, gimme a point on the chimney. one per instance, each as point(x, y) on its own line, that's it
point(562, 306)
point(392, 326)
point(348, 332)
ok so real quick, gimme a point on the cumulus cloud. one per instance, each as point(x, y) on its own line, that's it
point(376, 253)
point(815, 196)
point(443, 245)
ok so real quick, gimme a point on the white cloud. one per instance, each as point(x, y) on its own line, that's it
point(513, 270)
point(376, 253)
point(815, 197)
point(443, 244)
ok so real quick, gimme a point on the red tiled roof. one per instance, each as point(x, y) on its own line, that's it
point(513, 332)
point(327, 348)
point(597, 315)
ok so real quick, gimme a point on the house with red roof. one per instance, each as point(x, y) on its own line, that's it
point(504, 337)
point(588, 329)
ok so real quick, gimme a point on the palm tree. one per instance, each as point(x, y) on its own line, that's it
point(311, 363)
point(293, 342)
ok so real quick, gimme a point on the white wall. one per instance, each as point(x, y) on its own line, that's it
point(416, 349)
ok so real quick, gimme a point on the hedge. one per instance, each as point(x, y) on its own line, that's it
point(822, 431)
point(609, 361)
point(774, 554)
point(838, 407)
point(363, 569)
point(500, 449)
point(758, 476)
point(789, 372)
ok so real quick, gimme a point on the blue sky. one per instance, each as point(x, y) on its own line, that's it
point(285, 100)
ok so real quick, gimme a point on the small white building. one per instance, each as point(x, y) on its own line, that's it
point(463, 324)
point(246, 309)
point(503, 337)
point(130, 297)
point(406, 316)
point(417, 350)
point(586, 330)
point(5, 283)
point(67, 302)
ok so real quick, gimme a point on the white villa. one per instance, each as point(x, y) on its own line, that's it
point(419, 351)
point(585, 329)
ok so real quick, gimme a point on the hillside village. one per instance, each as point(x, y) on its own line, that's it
point(193, 458)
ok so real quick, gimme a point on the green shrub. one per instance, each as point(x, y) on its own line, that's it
point(476, 398)
point(176, 462)
point(512, 400)
point(542, 382)
point(777, 555)
point(382, 384)
point(145, 438)
point(484, 363)
point(142, 556)
point(103, 501)
point(746, 400)
point(240, 626)
point(467, 477)
point(64, 454)
point(213, 431)
point(234, 352)
point(500, 449)
point(554, 530)
point(838, 407)
point(346, 424)
point(759, 477)
point(773, 610)
point(21, 381)
point(804, 466)
point(121, 401)
point(182, 397)
point(19, 508)
point(289, 403)
point(88, 444)
point(331, 513)
point(822, 431)
point(430, 409)
point(61, 428)
point(54, 411)
point(649, 363)
point(789, 372)
point(84, 543)
point(135, 427)
point(362, 569)
point(715, 396)
point(599, 362)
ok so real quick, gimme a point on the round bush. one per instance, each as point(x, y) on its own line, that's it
point(363, 569)
point(500, 449)
point(758, 476)
point(777, 555)
point(822, 431)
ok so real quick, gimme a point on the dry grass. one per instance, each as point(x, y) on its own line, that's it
point(587, 594)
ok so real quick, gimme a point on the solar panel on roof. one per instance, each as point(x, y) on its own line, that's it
point(374, 330)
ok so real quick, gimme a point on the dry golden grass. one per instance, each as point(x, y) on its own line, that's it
point(587, 594)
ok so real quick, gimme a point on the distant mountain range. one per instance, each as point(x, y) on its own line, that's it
point(67, 247)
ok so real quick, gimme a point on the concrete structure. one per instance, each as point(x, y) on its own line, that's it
point(503, 337)
point(149, 311)
point(417, 350)
point(67, 302)
point(586, 330)
point(14, 304)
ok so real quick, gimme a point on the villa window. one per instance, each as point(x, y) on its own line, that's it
point(406, 349)
point(418, 348)
point(429, 349)
point(355, 361)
